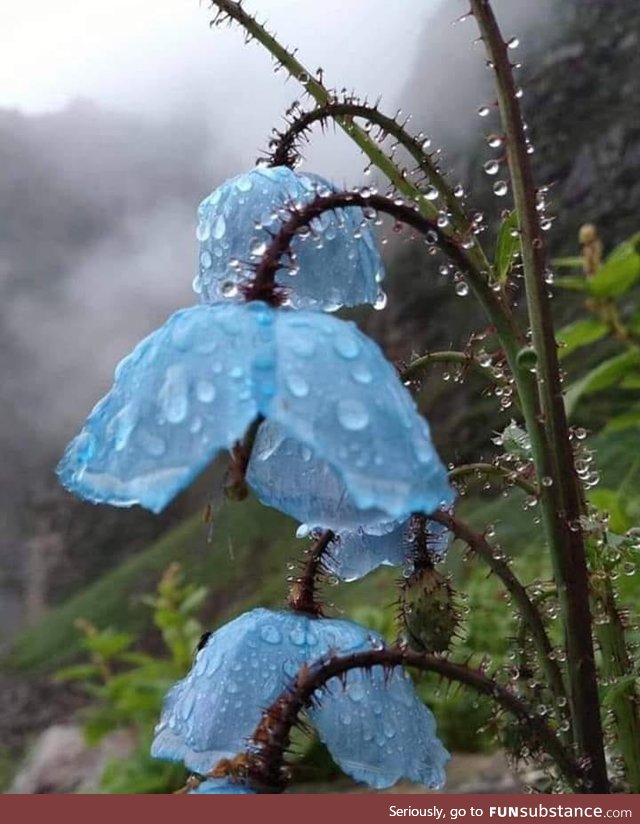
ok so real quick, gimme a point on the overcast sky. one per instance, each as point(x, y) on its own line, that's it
point(158, 56)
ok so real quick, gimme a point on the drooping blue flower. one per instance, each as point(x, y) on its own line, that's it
point(376, 727)
point(352, 555)
point(193, 387)
point(337, 262)
point(221, 786)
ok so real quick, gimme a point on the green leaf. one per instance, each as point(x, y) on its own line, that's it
point(620, 272)
point(625, 421)
point(574, 283)
point(580, 333)
point(507, 246)
point(77, 672)
point(617, 690)
point(568, 263)
point(607, 374)
point(608, 500)
point(109, 643)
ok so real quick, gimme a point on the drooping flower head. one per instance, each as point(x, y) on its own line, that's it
point(375, 725)
point(194, 386)
point(336, 259)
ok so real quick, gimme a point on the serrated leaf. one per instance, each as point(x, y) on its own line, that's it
point(507, 246)
point(606, 374)
point(581, 333)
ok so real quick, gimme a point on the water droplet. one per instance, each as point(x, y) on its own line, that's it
point(206, 260)
point(431, 193)
point(352, 415)
point(270, 634)
point(205, 391)
point(492, 167)
point(297, 385)
point(500, 188)
point(346, 346)
point(258, 248)
point(546, 481)
point(513, 43)
point(244, 184)
point(484, 111)
point(219, 227)
point(203, 232)
point(229, 289)
point(173, 397)
point(361, 373)
point(381, 300)
point(495, 141)
point(297, 636)
point(153, 444)
point(462, 288)
point(303, 530)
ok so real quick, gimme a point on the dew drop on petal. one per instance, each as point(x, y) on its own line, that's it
point(352, 415)
point(346, 346)
point(219, 227)
point(205, 391)
point(270, 634)
point(297, 385)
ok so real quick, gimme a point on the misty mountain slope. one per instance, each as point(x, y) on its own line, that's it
point(97, 246)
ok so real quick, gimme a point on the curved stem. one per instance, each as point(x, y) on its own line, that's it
point(285, 154)
point(494, 469)
point(481, 547)
point(463, 359)
point(562, 502)
point(272, 735)
point(303, 591)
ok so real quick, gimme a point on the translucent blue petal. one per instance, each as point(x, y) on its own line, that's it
point(286, 475)
point(378, 730)
point(221, 787)
point(354, 554)
point(183, 394)
point(247, 664)
point(339, 396)
point(338, 264)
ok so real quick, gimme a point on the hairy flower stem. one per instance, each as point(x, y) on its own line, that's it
point(272, 736)
point(508, 475)
point(303, 591)
point(562, 501)
point(479, 545)
point(413, 370)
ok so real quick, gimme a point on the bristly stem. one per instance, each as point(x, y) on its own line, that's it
point(511, 476)
point(303, 592)
point(479, 545)
point(562, 502)
point(272, 736)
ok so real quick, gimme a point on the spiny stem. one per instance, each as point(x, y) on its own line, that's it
point(285, 154)
point(562, 501)
point(508, 475)
point(272, 735)
point(467, 361)
point(478, 544)
point(303, 591)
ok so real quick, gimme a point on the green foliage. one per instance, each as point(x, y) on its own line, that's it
point(507, 246)
point(580, 333)
point(128, 687)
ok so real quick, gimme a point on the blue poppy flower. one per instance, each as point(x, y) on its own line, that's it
point(221, 786)
point(336, 262)
point(375, 726)
point(193, 387)
point(352, 555)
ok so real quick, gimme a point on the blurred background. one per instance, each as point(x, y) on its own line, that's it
point(115, 122)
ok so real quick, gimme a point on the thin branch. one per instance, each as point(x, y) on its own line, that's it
point(467, 361)
point(478, 544)
point(562, 502)
point(272, 736)
point(509, 475)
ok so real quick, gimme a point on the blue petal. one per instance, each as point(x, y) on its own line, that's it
point(183, 394)
point(286, 475)
point(344, 270)
point(354, 554)
point(378, 730)
point(220, 787)
point(245, 666)
point(337, 395)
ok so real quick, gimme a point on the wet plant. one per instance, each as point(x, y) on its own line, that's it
point(322, 427)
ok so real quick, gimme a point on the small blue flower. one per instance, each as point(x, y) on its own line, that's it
point(352, 555)
point(337, 264)
point(192, 388)
point(376, 727)
point(221, 786)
